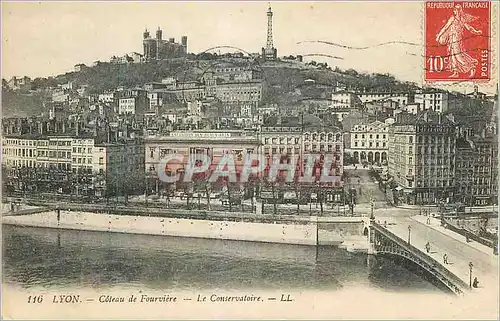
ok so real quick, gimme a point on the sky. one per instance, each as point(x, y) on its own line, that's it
point(40, 39)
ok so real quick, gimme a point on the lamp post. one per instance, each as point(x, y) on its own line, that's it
point(372, 217)
point(470, 274)
point(409, 233)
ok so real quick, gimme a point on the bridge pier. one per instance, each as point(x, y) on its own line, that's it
point(371, 260)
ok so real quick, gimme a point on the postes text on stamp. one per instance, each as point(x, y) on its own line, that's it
point(457, 40)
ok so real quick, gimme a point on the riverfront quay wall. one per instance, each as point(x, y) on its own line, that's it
point(302, 231)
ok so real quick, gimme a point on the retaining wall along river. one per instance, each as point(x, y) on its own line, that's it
point(299, 230)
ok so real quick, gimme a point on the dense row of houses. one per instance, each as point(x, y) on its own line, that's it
point(429, 157)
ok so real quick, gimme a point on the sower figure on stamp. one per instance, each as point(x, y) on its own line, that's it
point(452, 35)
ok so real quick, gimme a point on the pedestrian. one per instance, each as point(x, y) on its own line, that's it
point(427, 247)
point(445, 258)
point(475, 283)
point(428, 219)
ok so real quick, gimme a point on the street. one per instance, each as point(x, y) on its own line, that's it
point(366, 186)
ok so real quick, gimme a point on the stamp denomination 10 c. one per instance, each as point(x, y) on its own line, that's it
point(457, 40)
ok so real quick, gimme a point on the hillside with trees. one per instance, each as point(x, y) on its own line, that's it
point(280, 80)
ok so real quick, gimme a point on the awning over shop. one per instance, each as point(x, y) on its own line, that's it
point(408, 191)
point(399, 188)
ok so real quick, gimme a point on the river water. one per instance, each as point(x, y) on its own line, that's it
point(49, 258)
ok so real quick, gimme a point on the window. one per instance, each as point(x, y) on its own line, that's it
point(410, 160)
point(410, 140)
point(101, 160)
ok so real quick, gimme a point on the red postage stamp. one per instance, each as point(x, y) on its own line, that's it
point(457, 40)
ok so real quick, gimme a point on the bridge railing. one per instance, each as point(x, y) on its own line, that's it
point(472, 236)
point(422, 256)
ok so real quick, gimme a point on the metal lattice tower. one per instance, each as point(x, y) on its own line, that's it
point(269, 44)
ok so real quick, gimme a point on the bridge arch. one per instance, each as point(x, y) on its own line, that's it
point(443, 282)
point(385, 242)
